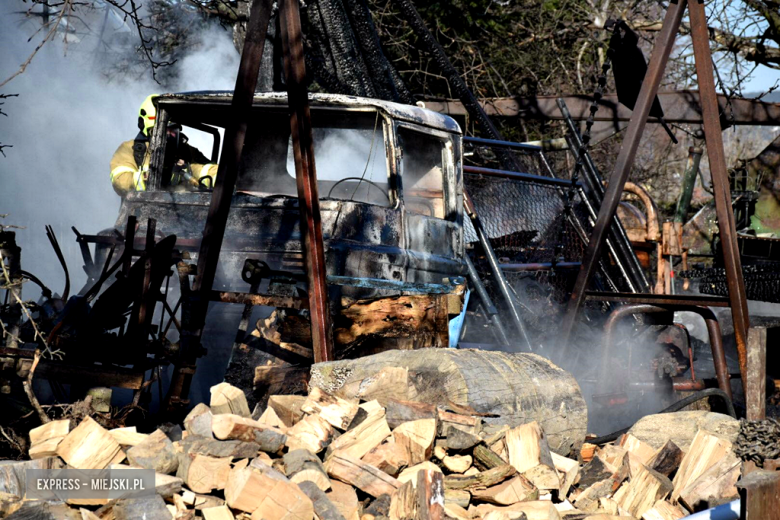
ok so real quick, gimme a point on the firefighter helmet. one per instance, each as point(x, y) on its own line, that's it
point(147, 115)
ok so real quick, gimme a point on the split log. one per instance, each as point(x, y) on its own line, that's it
point(129, 436)
point(466, 423)
point(663, 510)
point(234, 449)
point(533, 510)
point(337, 411)
point(667, 459)
point(423, 499)
point(365, 477)
point(416, 439)
point(390, 457)
point(312, 433)
point(715, 486)
point(217, 513)
point(568, 470)
point(302, 466)
point(155, 452)
point(345, 499)
point(234, 427)
point(45, 439)
point(324, 509)
point(595, 471)
point(485, 458)
point(588, 500)
point(90, 446)
point(455, 511)
point(198, 421)
point(457, 463)
point(483, 479)
point(497, 383)
point(267, 494)
point(459, 439)
point(367, 435)
point(399, 411)
point(202, 473)
point(226, 398)
point(530, 455)
point(706, 449)
point(644, 489)
point(287, 408)
point(270, 418)
point(461, 497)
point(587, 451)
point(516, 489)
point(643, 451)
point(410, 473)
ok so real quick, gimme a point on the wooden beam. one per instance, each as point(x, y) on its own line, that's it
point(755, 384)
point(682, 107)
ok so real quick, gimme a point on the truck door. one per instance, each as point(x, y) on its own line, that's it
point(431, 202)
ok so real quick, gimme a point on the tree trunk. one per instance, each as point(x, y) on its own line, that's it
point(519, 388)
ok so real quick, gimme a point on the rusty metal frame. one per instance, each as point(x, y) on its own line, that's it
point(713, 330)
point(661, 52)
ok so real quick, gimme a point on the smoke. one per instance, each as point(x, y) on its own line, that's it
point(75, 106)
point(66, 124)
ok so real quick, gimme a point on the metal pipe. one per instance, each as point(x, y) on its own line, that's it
point(505, 144)
point(720, 181)
point(490, 309)
point(306, 176)
point(689, 181)
point(713, 329)
point(503, 285)
point(617, 241)
point(539, 267)
point(625, 159)
point(653, 229)
point(526, 177)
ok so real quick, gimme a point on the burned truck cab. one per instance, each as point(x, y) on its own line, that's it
point(389, 179)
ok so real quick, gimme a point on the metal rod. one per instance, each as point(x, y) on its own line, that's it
point(719, 174)
point(306, 177)
point(503, 285)
point(625, 159)
point(525, 177)
point(504, 144)
point(487, 303)
point(617, 241)
point(539, 267)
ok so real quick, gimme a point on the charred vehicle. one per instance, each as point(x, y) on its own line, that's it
point(389, 178)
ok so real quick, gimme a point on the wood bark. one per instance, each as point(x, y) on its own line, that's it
point(517, 388)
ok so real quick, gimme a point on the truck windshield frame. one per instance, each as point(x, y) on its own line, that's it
point(353, 152)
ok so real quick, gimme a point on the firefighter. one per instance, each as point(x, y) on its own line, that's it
point(184, 165)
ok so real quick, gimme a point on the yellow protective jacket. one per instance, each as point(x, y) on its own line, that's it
point(127, 176)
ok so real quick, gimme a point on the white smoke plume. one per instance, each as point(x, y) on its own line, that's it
point(65, 125)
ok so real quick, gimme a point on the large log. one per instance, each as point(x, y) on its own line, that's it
point(518, 388)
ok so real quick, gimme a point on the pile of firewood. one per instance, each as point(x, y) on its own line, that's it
point(321, 456)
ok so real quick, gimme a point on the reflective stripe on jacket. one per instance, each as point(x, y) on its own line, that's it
point(127, 176)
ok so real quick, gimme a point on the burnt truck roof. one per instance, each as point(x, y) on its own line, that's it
point(410, 113)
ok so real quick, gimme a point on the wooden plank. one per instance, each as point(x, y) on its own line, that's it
point(755, 384)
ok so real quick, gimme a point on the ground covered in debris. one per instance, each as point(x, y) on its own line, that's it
point(326, 457)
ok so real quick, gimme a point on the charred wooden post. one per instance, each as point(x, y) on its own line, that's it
point(306, 177)
point(755, 383)
point(11, 256)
